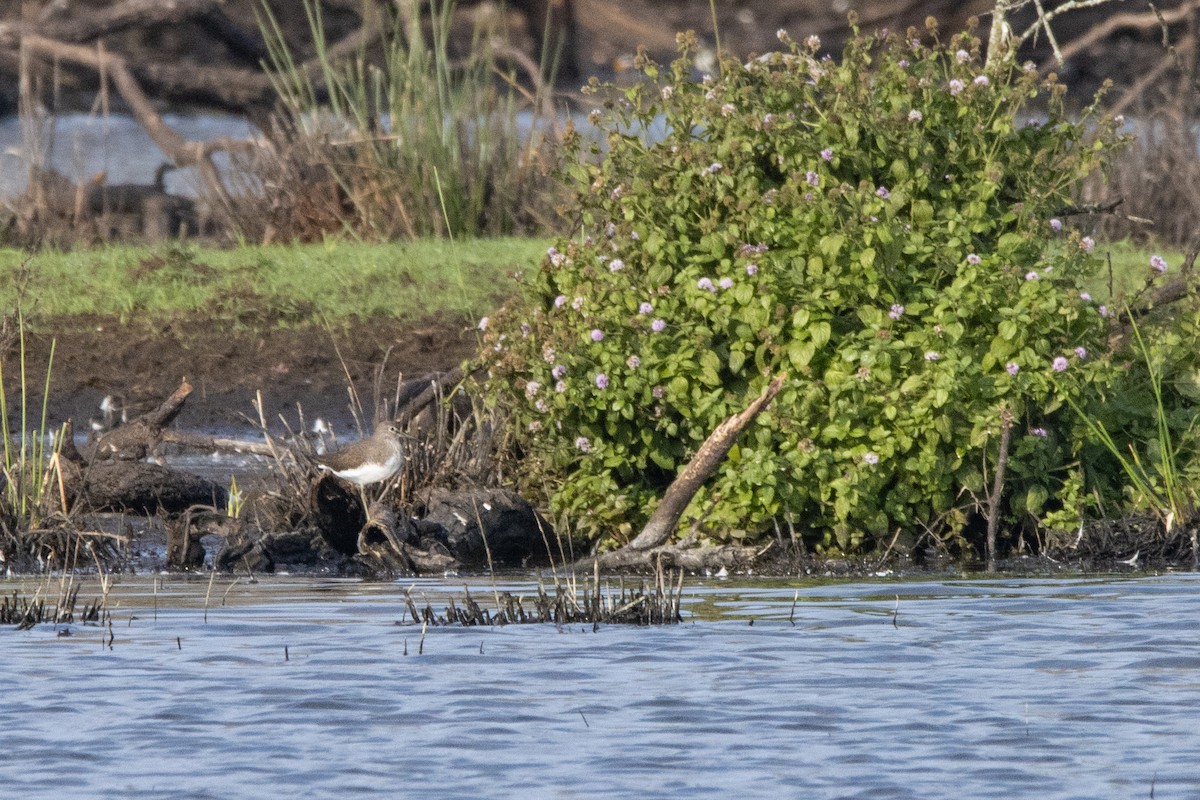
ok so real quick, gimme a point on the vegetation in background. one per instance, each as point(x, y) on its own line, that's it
point(883, 229)
point(295, 284)
point(428, 143)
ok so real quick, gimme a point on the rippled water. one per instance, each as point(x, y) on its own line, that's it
point(1001, 688)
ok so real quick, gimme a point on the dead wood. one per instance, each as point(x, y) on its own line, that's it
point(140, 437)
point(417, 395)
point(662, 522)
point(142, 488)
point(181, 151)
point(1101, 31)
point(337, 512)
point(385, 541)
point(649, 544)
point(71, 23)
point(217, 443)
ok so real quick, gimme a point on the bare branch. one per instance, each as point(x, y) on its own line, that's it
point(1044, 18)
point(1116, 22)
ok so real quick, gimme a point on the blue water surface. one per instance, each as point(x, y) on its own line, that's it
point(1047, 688)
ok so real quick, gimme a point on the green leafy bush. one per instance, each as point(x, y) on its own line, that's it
point(880, 228)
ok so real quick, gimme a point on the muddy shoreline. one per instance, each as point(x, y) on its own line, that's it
point(307, 368)
point(228, 364)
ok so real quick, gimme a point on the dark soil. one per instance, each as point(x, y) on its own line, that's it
point(227, 364)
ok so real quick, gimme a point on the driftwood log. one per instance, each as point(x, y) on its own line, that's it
point(111, 475)
point(143, 488)
point(138, 438)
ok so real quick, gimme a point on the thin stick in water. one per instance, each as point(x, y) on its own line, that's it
point(212, 576)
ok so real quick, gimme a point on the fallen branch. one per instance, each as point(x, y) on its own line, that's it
point(137, 439)
point(658, 529)
point(199, 441)
point(181, 151)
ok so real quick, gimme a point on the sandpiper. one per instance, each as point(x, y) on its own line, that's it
point(369, 460)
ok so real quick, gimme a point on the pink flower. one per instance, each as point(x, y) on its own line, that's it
point(601, 381)
point(532, 388)
point(658, 326)
point(1059, 364)
point(583, 444)
point(827, 154)
point(915, 116)
point(560, 301)
point(812, 178)
point(633, 362)
point(658, 392)
point(973, 259)
point(1081, 353)
point(751, 269)
point(981, 80)
point(560, 387)
point(1056, 225)
point(1012, 367)
point(956, 86)
point(616, 265)
point(597, 335)
point(706, 284)
point(558, 371)
point(870, 458)
point(932, 355)
point(645, 308)
point(483, 323)
point(1085, 297)
point(1158, 264)
point(1039, 432)
point(883, 192)
point(725, 283)
point(897, 311)
point(1086, 244)
point(962, 56)
point(1032, 276)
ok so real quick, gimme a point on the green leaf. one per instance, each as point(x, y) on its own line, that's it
point(709, 365)
point(831, 244)
point(820, 332)
point(801, 353)
point(736, 360)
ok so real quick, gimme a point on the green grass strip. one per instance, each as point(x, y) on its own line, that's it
point(282, 284)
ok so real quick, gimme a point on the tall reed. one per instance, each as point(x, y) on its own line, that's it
point(1156, 475)
point(26, 465)
point(419, 144)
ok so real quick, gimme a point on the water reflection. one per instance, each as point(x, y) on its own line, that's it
point(998, 688)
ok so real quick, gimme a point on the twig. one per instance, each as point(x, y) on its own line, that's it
point(1006, 425)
